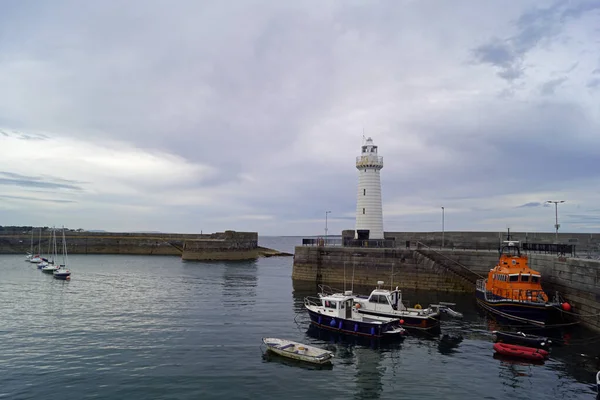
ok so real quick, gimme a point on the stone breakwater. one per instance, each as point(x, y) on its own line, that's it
point(228, 245)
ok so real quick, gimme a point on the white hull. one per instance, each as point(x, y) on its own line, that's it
point(298, 351)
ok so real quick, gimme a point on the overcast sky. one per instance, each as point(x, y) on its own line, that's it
point(182, 116)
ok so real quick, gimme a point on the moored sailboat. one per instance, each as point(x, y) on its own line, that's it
point(63, 272)
point(50, 267)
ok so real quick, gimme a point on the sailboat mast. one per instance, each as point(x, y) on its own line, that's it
point(65, 257)
point(40, 243)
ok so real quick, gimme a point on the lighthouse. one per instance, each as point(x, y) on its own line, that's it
point(369, 216)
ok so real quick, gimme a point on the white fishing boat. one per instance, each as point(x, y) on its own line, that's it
point(336, 312)
point(388, 303)
point(298, 351)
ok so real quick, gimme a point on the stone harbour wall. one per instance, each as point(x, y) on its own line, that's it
point(228, 245)
point(333, 266)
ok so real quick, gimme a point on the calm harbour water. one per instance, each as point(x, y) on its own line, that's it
point(137, 327)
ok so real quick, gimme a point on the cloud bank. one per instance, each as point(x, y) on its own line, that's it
point(189, 116)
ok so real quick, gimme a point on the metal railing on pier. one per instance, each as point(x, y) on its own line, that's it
point(561, 249)
point(373, 243)
point(321, 242)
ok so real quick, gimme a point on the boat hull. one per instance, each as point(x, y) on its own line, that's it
point(356, 328)
point(528, 353)
point(423, 323)
point(300, 352)
point(525, 312)
point(539, 342)
point(63, 277)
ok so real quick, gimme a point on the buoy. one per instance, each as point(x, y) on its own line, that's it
point(401, 322)
point(332, 322)
point(357, 305)
point(566, 306)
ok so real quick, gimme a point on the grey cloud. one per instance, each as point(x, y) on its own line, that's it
point(549, 87)
point(24, 136)
point(531, 204)
point(534, 28)
point(14, 179)
point(593, 83)
point(40, 178)
point(38, 199)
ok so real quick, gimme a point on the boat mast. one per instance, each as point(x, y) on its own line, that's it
point(65, 257)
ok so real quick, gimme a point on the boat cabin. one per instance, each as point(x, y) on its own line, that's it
point(386, 298)
point(338, 305)
point(512, 278)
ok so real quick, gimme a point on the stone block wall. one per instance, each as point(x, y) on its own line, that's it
point(576, 279)
point(364, 267)
point(229, 246)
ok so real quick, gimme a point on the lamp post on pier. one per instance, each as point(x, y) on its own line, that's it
point(556, 225)
point(442, 227)
point(326, 212)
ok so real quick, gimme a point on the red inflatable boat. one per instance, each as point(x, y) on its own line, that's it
point(514, 350)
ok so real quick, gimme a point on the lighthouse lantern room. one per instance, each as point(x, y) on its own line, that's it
point(369, 215)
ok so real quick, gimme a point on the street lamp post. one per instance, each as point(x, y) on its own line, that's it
point(326, 212)
point(442, 226)
point(556, 225)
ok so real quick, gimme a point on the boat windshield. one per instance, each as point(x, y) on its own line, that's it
point(378, 298)
point(511, 251)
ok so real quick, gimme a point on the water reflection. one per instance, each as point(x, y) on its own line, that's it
point(369, 372)
point(449, 343)
point(239, 283)
point(269, 356)
point(365, 354)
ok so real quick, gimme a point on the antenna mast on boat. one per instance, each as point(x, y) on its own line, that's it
point(353, 266)
point(392, 279)
point(344, 276)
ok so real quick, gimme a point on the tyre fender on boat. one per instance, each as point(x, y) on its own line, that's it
point(418, 306)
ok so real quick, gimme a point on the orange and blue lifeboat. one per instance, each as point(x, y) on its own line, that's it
point(514, 291)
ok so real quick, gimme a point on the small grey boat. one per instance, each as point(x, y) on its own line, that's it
point(298, 351)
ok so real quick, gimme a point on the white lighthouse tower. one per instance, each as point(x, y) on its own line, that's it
point(369, 216)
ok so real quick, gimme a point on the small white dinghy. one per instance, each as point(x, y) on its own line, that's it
point(298, 351)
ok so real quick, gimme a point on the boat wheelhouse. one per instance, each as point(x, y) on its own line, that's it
point(514, 291)
point(336, 312)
